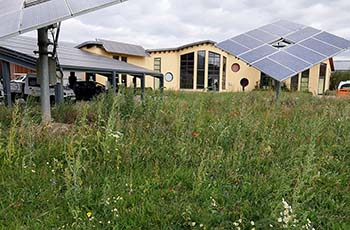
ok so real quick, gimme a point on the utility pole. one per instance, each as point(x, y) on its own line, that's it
point(43, 73)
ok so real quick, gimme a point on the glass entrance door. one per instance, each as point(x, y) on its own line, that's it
point(321, 85)
point(214, 72)
point(322, 79)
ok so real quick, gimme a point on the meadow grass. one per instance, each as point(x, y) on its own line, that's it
point(178, 161)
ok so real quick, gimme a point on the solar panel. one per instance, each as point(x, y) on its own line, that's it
point(44, 13)
point(305, 54)
point(302, 34)
point(276, 30)
point(262, 36)
point(286, 45)
point(232, 47)
point(271, 68)
point(333, 40)
point(19, 16)
point(258, 53)
point(289, 61)
point(320, 47)
point(288, 25)
point(247, 41)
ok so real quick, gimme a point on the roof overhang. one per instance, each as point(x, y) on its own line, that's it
point(20, 51)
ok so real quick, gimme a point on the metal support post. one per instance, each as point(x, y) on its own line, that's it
point(134, 82)
point(142, 87)
point(43, 72)
point(161, 84)
point(278, 90)
point(7, 83)
point(114, 82)
point(59, 94)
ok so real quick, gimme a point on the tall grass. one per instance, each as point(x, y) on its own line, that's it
point(181, 161)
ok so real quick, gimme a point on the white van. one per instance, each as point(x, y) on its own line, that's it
point(26, 85)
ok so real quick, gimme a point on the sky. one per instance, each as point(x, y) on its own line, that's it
point(171, 23)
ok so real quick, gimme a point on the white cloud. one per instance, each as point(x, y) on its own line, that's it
point(168, 23)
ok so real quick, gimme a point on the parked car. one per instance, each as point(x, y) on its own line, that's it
point(343, 89)
point(86, 90)
point(27, 85)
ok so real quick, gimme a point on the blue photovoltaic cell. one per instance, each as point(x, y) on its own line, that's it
point(9, 23)
point(305, 54)
point(289, 61)
point(273, 69)
point(302, 34)
point(258, 53)
point(333, 40)
point(247, 41)
point(17, 18)
point(289, 25)
point(263, 36)
point(320, 47)
point(78, 7)
point(276, 30)
point(46, 12)
point(232, 47)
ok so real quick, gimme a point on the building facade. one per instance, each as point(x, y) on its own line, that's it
point(202, 66)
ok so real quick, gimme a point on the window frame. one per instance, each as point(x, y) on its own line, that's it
point(305, 81)
point(214, 70)
point(201, 58)
point(187, 70)
point(224, 73)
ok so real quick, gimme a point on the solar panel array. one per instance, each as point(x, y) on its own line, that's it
point(19, 16)
point(308, 47)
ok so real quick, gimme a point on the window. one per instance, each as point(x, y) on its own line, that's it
point(224, 64)
point(124, 76)
point(116, 57)
point(200, 69)
point(294, 83)
point(186, 71)
point(244, 83)
point(235, 67)
point(214, 71)
point(345, 86)
point(322, 79)
point(32, 81)
point(266, 82)
point(304, 85)
point(169, 77)
point(158, 65)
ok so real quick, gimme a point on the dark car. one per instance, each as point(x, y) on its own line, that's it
point(86, 90)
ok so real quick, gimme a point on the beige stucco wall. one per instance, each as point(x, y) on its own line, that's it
point(170, 62)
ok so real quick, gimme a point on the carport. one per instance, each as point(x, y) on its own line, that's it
point(19, 51)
